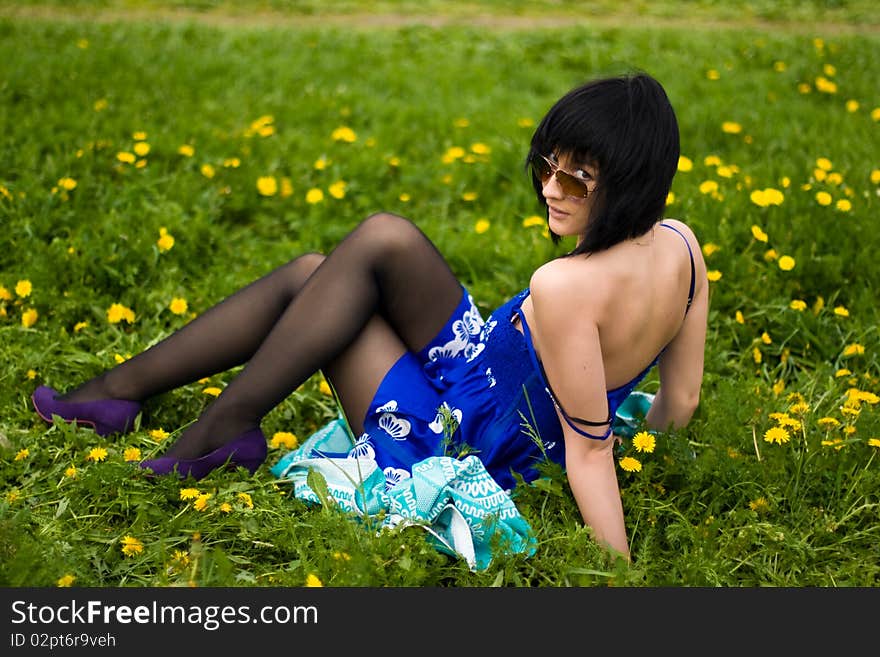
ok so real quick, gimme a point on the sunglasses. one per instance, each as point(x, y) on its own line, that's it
point(571, 185)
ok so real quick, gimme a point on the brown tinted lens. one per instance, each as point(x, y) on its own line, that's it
point(541, 169)
point(571, 185)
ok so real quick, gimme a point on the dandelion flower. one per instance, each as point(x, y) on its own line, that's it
point(97, 454)
point(65, 581)
point(314, 195)
point(798, 304)
point(480, 149)
point(313, 581)
point(685, 163)
point(708, 187)
point(131, 546)
point(79, 326)
point(117, 313)
point(131, 454)
point(178, 306)
point(778, 435)
point(759, 504)
point(67, 184)
point(630, 464)
point(165, 241)
point(854, 349)
point(844, 205)
point(337, 189)
point(786, 263)
point(22, 454)
point(70, 472)
point(714, 275)
point(345, 134)
point(125, 157)
point(738, 317)
point(765, 338)
point(324, 388)
point(874, 442)
point(267, 185)
point(29, 317)
point(823, 198)
point(759, 234)
point(23, 288)
point(158, 434)
point(284, 439)
point(186, 150)
point(709, 248)
point(481, 226)
point(731, 127)
point(214, 391)
point(533, 220)
point(644, 441)
point(141, 148)
point(828, 422)
point(841, 311)
point(189, 493)
point(245, 498)
point(226, 507)
point(201, 502)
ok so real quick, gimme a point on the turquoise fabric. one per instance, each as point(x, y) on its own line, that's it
point(463, 509)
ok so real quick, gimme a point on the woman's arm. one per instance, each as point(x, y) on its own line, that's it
point(572, 356)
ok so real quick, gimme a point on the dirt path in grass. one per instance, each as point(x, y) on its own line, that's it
point(622, 19)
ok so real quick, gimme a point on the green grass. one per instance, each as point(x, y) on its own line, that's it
point(714, 505)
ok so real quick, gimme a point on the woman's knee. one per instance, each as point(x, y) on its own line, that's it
point(391, 231)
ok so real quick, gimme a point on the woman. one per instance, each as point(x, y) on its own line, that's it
point(417, 370)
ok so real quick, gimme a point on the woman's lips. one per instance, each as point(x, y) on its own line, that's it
point(556, 213)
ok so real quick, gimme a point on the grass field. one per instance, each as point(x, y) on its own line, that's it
point(156, 156)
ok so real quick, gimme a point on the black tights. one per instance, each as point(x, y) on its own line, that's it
point(384, 289)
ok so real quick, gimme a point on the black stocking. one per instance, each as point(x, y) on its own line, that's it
point(288, 325)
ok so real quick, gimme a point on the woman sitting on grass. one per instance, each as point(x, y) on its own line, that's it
point(418, 372)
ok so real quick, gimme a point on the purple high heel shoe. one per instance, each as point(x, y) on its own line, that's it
point(248, 450)
point(105, 416)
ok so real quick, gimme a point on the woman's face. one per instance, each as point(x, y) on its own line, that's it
point(567, 186)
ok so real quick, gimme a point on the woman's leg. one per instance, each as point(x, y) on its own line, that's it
point(385, 267)
point(222, 337)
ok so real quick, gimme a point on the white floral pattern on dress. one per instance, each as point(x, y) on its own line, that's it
point(396, 427)
point(394, 476)
point(437, 425)
point(465, 331)
point(363, 448)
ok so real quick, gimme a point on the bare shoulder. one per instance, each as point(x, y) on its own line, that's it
point(559, 286)
point(682, 227)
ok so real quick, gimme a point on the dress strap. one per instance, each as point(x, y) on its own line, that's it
point(693, 269)
point(568, 418)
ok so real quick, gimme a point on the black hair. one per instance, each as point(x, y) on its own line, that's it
point(627, 128)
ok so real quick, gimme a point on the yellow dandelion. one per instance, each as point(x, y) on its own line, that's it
point(738, 317)
point(313, 581)
point(189, 493)
point(232, 162)
point(79, 326)
point(267, 185)
point(481, 226)
point(214, 391)
point(786, 263)
point(842, 372)
point(158, 434)
point(765, 338)
point(286, 187)
point(141, 148)
point(670, 198)
point(284, 439)
point(117, 313)
point(828, 422)
point(770, 255)
point(713, 74)
point(875, 114)
point(778, 387)
point(709, 248)
point(759, 504)
point(798, 304)
point(23, 288)
point(314, 195)
point(644, 441)
point(31, 374)
point(125, 157)
point(731, 127)
point(65, 581)
point(131, 546)
point(29, 317)
point(245, 499)
point(131, 454)
point(714, 275)
point(13, 496)
point(337, 189)
point(201, 502)
point(630, 464)
point(778, 435)
point(757, 356)
point(226, 507)
point(178, 306)
point(841, 311)
point(480, 148)
point(165, 241)
point(186, 150)
point(97, 454)
point(5, 295)
point(844, 205)
point(759, 234)
point(708, 187)
point(67, 184)
point(70, 472)
point(207, 170)
point(22, 454)
point(533, 220)
point(823, 198)
point(685, 163)
point(324, 388)
point(344, 133)
point(854, 349)
point(874, 442)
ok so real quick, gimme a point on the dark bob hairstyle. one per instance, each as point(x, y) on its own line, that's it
point(625, 126)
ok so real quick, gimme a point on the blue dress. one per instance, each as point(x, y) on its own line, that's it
point(477, 388)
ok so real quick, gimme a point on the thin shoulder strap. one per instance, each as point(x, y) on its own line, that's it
point(568, 418)
point(693, 269)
